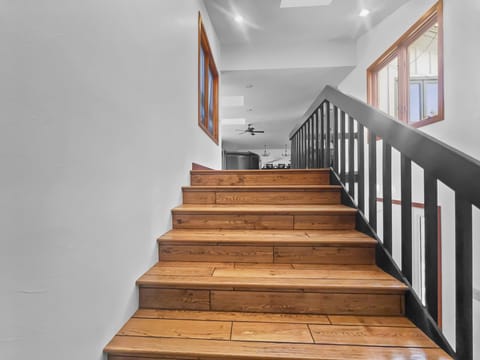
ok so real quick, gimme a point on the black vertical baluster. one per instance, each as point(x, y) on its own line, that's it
point(294, 154)
point(292, 142)
point(406, 179)
point(342, 147)
point(335, 139)
point(327, 136)
point(314, 155)
point(317, 139)
point(372, 174)
point(304, 162)
point(361, 167)
point(431, 244)
point(311, 143)
point(299, 150)
point(322, 136)
point(387, 196)
point(310, 137)
point(309, 164)
point(463, 278)
point(296, 151)
point(351, 155)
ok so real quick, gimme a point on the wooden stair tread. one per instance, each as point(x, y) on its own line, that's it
point(269, 237)
point(293, 328)
point(260, 177)
point(263, 188)
point(261, 172)
point(159, 347)
point(395, 321)
point(267, 264)
point(263, 209)
point(328, 280)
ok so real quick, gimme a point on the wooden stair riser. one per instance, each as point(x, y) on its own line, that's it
point(268, 301)
point(264, 222)
point(193, 196)
point(259, 178)
point(268, 254)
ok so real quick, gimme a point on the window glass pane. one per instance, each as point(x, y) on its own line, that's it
point(388, 88)
point(415, 101)
point(423, 65)
point(202, 85)
point(210, 101)
point(431, 98)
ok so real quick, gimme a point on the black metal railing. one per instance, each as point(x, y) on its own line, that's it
point(333, 135)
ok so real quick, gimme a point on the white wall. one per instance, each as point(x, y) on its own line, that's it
point(462, 114)
point(98, 132)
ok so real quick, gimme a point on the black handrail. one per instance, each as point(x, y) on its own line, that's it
point(439, 161)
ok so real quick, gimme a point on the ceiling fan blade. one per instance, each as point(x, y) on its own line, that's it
point(259, 131)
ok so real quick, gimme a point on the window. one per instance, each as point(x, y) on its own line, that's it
point(406, 82)
point(207, 86)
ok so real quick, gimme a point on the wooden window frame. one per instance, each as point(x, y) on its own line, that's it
point(400, 50)
point(204, 44)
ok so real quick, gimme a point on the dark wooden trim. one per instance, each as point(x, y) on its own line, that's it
point(399, 49)
point(196, 166)
point(204, 44)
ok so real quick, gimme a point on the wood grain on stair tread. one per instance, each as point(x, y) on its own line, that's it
point(264, 177)
point(256, 237)
point(277, 188)
point(212, 253)
point(304, 274)
point(232, 316)
point(324, 255)
point(175, 299)
point(287, 198)
point(345, 222)
point(395, 321)
point(234, 350)
point(272, 332)
point(303, 209)
point(194, 329)
point(232, 221)
point(348, 285)
point(370, 335)
point(199, 197)
point(264, 254)
point(323, 194)
point(307, 303)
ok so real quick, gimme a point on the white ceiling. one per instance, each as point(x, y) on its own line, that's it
point(277, 99)
point(266, 22)
point(270, 36)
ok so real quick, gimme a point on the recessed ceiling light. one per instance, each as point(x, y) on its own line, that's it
point(239, 19)
point(364, 12)
point(304, 3)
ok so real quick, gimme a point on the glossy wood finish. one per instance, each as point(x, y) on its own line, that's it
point(248, 272)
point(288, 195)
point(260, 177)
point(160, 334)
point(154, 348)
point(303, 216)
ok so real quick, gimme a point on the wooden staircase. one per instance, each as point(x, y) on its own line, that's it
point(268, 265)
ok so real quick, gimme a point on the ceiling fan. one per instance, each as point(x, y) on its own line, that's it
point(250, 130)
